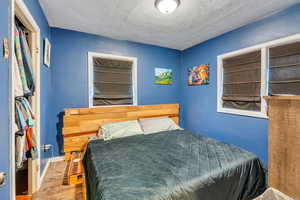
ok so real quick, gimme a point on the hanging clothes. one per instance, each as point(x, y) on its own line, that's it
point(25, 136)
point(19, 57)
point(20, 136)
point(18, 88)
point(21, 67)
point(31, 145)
point(26, 145)
point(19, 147)
point(27, 60)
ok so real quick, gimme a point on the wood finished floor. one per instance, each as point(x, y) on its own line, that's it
point(54, 186)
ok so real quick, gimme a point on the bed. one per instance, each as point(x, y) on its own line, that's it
point(170, 165)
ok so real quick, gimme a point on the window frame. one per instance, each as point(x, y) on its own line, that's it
point(92, 55)
point(264, 48)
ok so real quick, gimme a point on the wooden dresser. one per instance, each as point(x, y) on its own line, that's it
point(284, 144)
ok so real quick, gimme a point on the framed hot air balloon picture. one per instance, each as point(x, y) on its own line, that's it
point(163, 76)
point(198, 75)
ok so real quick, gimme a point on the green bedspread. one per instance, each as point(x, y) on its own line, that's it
point(174, 165)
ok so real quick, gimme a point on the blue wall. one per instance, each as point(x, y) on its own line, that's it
point(69, 68)
point(45, 77)
point(4, 86)
point(199, 104)
point(64, 85)
point(46, 88)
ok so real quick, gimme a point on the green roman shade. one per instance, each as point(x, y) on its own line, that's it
point(242, 82)
point(112, 82)
point(284, 77)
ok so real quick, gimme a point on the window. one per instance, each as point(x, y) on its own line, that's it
point(247, 75)
point(242, 81)
point(112, 80)
point(285, 70)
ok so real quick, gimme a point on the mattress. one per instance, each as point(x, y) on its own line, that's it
point(173, 165)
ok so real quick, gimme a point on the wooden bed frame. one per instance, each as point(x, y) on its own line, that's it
point(81, 123)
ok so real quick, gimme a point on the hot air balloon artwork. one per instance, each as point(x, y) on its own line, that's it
point(163, 76)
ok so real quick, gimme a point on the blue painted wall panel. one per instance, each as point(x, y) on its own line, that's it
point(45, 77)
point(70, 82)
point(199, 104)
point(4, 98)
point(37, 13)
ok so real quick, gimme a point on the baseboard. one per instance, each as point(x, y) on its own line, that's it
point(57, 158)
point(49, 161)
point(44, 172)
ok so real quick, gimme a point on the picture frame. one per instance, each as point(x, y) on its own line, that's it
point(163, 76)
point(198, 75)
point(47, 52)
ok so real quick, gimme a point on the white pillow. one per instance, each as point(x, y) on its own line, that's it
point(158, 124)
point(120, 129)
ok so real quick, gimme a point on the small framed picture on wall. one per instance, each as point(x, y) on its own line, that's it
point(198, 75)
point(47, 52)
point(163, 76)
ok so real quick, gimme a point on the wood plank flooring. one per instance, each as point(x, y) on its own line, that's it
point(54, 186)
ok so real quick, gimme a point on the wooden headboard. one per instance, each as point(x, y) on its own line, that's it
point(81, 123)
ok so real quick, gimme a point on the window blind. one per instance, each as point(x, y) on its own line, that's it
point(284, 77)
point(112, 82)
point(242, 81)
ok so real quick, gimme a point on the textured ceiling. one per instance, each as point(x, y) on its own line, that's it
point(138, 20)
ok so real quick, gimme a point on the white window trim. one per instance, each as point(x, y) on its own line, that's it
point(264, 48)
point(91, 55)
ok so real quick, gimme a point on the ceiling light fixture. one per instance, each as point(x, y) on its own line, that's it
point(167, 6)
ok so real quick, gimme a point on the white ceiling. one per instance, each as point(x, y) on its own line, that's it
point(138, 20)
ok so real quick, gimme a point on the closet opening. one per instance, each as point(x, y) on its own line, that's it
point(25, 102)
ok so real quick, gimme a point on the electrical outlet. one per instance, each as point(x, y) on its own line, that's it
point(47, 147)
